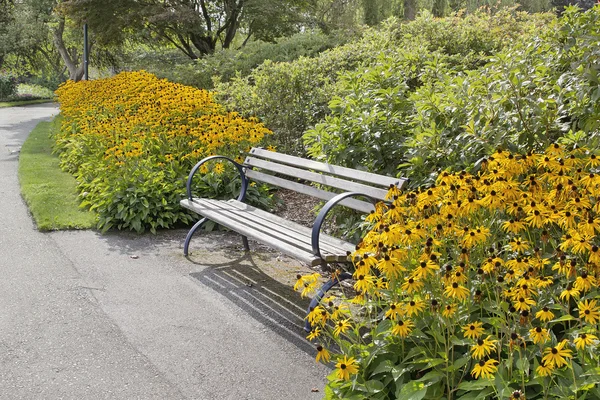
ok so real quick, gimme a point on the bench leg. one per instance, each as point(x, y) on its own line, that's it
point(321, 293)
point(186, 244)
point(246, 245)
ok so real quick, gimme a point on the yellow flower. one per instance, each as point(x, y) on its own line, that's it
point(544, 369)
point(585, 282)
point(557, 356)
point(519, 245)
point(589, 311)
point(394, 311)
point(568, 293)
point(414, 307)
point(346, 367)
point(314, 333)
point(584, 339)
point(449, 311)
point(544, 315)
point(473, 330)
point(524, 303)
point(539, 335)
point(456, 291)
point(402, 328)
point(341, 327)
point(484, 369)
point(483, 347)
point(322, 354)
point(364, 283)
point(412, 285)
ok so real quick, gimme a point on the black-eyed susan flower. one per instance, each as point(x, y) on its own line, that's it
point(449, 310)
point(585, 282)
point(539, 335)
point(322, 354)
point(403, 327)
point(394, 311)
point(523, 303)
point(414, 307)
point(390, 266)
point(364, 283)
point(456, 291)
point(517, 395)
point(569, 292)
point(314, 333)
point(544, 315)
point(483, 347)
point(473, 330)
point(557, 356)
point(519, 245)
point(412, 285)
point(584, 339)
point(341, 327)
point(346, 367)
point(544, 369)
point(589, 311)
point(485, 369)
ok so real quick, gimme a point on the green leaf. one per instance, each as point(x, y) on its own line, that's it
point(475, 385)
point(413, 390)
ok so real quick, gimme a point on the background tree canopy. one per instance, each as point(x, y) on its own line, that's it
point(41, 40)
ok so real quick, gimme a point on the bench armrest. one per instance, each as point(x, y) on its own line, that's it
point(316, 230)
point(239, 167)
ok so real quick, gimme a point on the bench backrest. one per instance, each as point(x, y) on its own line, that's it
point(261, 164)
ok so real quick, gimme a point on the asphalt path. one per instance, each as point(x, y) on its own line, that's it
point(124, 316)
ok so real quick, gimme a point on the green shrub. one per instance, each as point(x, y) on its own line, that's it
point(537, 90)
point(225, 64)
point(291, 97)
point(131, 140)
point(8, 85)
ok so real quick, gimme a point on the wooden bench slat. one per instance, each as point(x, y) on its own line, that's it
point(221, 213)
point(317, 178)
point(358, 205)
point(297, 236)
point(363, 176)
point(328, 243)
point(216, 215)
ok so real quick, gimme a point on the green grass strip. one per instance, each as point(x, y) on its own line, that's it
point(49, 192)
point(23, 102)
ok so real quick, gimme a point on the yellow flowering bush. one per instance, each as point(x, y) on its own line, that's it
point(132, 139)
point(482, 286)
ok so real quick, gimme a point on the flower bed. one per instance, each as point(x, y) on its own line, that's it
point(482, 286)
point(132, 139)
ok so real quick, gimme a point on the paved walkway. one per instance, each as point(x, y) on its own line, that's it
point(122, 316)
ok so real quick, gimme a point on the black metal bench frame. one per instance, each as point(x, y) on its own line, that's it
point(305, 244)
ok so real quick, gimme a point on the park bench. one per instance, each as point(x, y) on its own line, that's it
point(347, 187)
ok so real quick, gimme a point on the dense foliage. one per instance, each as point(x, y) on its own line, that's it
point(224, 65)
point(290, 97)
point(417, 115)
point(481, 286)
point(8, 85)
point(131, 140)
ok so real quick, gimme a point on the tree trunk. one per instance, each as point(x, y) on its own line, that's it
point(410, 9)
point(73, 64)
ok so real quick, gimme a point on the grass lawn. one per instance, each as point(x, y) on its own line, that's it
point(23, 102)
point(49, 192)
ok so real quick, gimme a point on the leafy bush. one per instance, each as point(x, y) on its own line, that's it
point(481, 286)
point(34, 91)
point(538, 90)
point(225, 64)
point(291, 97)
point(8, 85)
point(132, 139)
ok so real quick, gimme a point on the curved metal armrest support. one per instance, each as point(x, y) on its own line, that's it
point(239, 167)
point(316, 230)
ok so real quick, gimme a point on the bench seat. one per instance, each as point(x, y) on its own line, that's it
point(284, 235)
